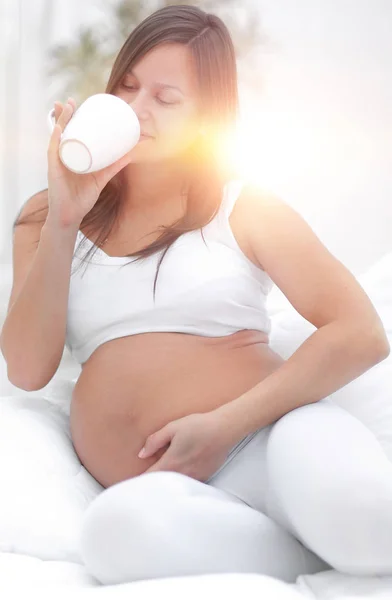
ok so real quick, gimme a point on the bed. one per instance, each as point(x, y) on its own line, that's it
point(45, 489)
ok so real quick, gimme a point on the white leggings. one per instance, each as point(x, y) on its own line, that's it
point(310, 492)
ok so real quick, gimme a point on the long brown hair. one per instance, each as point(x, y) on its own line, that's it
point(212, 51)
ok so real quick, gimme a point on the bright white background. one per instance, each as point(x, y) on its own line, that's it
point(319, 133)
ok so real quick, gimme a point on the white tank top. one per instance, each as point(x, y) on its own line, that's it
point(206, 288)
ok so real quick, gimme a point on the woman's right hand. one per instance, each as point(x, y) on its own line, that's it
point(72, 195)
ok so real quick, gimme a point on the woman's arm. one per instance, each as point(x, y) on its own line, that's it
point(327, 360)
point(33, 333)
point(350, 336)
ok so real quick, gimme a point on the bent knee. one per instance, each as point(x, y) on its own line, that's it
point(122, 527)
point(350, 529)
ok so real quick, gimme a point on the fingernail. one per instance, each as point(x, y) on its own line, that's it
point(142, 453)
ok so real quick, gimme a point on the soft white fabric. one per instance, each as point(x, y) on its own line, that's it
point(316, 476)
point(45, 490)
point(22, 576)
point(206, 286)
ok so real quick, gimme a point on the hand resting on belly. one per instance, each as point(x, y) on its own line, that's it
point(133, 386)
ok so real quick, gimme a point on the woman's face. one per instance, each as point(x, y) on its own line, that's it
point(161, 89)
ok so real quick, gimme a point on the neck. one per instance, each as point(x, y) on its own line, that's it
point(153, 185)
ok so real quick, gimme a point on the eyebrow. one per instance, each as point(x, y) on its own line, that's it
point(159, 84)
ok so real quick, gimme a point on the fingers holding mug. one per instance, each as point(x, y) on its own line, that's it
point(65, 116)
point(72, 102)
point(62, 115)
point(56, 133)
point(58, 107)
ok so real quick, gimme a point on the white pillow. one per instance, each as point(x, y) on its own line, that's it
point(44, 488)
point(369, 397)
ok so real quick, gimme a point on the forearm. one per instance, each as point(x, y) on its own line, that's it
point(32, 338)
point(331, 357)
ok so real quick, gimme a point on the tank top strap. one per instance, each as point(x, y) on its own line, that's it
point(231, 193)
point(220, 228)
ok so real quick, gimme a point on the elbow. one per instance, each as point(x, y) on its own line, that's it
point(372, 337)
point(28, 385)
point(381, 348)
point(370, 344)
point(386, 350)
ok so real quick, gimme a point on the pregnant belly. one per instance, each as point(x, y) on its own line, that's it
point(132, 386)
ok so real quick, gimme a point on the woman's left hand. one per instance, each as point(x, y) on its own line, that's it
point(198, 446)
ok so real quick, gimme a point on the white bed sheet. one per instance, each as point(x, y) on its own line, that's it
point(21, 573)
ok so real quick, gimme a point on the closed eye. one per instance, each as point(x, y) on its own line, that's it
point(127, 87)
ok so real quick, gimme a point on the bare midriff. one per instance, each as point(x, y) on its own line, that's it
point(132, 386)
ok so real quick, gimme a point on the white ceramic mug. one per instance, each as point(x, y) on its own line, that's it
point(102, 130)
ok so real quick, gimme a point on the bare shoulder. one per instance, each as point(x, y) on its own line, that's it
point(255, 197)
point(252, 205)
point(267, 217)
point(274, 229)
point(317, 284)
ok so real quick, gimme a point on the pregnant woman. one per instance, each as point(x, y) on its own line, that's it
point(155, 273)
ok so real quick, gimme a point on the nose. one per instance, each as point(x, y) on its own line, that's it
point(139, 104)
